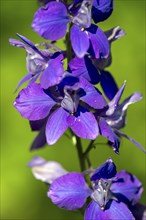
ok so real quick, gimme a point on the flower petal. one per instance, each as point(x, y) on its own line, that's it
point(106, 131)
point(94, 212)
point(99, 43)
point(101, 10)
point(40, 140)
point(69, 191)
point(115, 101)
point(114, 34)
point(51, 22)
point(105, 171)
point(93, 96)
point(46, 171)
point(37, 125)
point(114, 211)
point(83, 124)
point(127, 187)
point(17, 43)
point(79, 41)
point(56, 125)
point(53, 73)
point(130, 139)
point(84, 67)
point(23, 80)
point(118, 211)
point(108, 84)
point(135, 97)
point(33, 103)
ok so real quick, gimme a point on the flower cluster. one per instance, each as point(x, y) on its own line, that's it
point(68, 98)
point(112, 193)
point(63, 92)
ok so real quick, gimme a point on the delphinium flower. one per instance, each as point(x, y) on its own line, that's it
point(46, 62)
point(113, 118)
point(65, 105)
point(111, 194)
point(51, 22)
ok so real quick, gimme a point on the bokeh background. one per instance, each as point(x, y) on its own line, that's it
point(23, 197)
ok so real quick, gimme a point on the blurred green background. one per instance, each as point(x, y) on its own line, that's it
point(23, 197)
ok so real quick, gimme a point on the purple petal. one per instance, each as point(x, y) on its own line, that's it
point(131, 139)
point(56, 125)
point(51, 22)
point(46, 171)
point(118, 211)
point(79, 41)
point(99, 42)
point(127, 185)
point(84, 67)
point(114, 211)
point(135, 97)
point(83, 124)
point(53, 73)
point(40, 140)
point(37, 125)
point(127, 188)
point(29, 43)
point(34, 79)
point(101, 10)
point(114, 34)
point(93, 96)
point(94, 212)
point(108, 84)
point(106, 131)
point(105, 171)
point(115, 101)
point(69, 191)
point(33, 103)
point(23, 80)
point(17, 43)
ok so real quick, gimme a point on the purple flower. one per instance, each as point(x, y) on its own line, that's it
point(113, 118)
point(70, 191)
point(63, 106)
point(45, 62)
point(51, 23)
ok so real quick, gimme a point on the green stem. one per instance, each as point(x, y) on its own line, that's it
point(90, 146)
point(68, 46)
point(80, 154)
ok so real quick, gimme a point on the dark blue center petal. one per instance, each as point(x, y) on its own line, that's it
point(101, 10)
point(105, 171)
